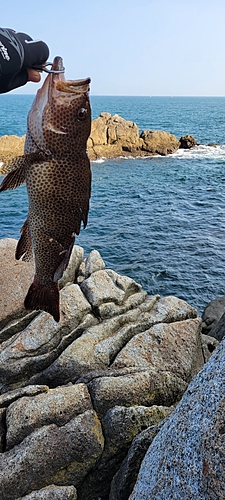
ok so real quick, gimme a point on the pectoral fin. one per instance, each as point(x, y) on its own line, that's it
point(16, 169)
point(16, 175)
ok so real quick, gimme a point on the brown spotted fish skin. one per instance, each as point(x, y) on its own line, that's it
point(57, 173)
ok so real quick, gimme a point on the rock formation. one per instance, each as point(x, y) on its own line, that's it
point(111, 137)
point(187, 142)
point(10, 146)
point(74, 395)
point(186, 459)
point(212, 314)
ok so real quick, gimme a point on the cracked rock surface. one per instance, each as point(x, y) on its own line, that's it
point(75, 394)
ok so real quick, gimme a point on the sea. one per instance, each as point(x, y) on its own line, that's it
point(159, 220)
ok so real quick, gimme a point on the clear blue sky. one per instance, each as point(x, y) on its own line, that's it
point(128, 47)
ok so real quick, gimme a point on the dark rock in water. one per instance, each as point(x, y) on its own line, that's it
point(212, 314)
point(74, 394)
point(218, 331)
point(187, 142)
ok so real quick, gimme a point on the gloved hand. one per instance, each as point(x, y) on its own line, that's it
point(18, 53)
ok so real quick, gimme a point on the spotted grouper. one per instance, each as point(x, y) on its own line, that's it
point(56, 170)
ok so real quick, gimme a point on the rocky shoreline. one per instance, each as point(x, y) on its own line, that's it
point(82, 401)
point(112, 137)
point(124, 397)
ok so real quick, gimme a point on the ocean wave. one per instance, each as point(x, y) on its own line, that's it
point(202, 151)
point(216, 152)
point(100, 160)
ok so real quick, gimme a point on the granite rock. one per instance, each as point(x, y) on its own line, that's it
point(74, 394)
point(52, 492)
point(159, 142)
point(186, 458)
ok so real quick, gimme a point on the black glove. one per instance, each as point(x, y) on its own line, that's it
point(18, 52)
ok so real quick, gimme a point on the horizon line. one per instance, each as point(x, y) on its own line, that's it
point(120, 95)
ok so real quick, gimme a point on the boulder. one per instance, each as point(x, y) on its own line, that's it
point(158, 142)
point(218, 331)
point(119, 425)
point(186, 458)
point(125, 478)
point(15, 279)
point(187, 142)
point(52, 454)
point(52, 492)
point(212, 314)
point(113, 136)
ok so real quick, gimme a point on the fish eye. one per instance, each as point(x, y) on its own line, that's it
point(82, 113)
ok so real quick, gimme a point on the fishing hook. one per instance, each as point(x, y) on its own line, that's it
point(43, 67)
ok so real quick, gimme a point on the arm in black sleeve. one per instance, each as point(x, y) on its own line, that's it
point(18, 52)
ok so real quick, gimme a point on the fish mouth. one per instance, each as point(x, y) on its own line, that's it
point(60, 84)
point(74, 86)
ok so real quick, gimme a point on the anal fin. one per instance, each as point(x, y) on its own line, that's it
point(64, 262)
point(24, 245)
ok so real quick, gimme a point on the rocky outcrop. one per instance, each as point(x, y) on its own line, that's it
point(75, 394)
point(10, 146)
point(187, 142)
point(158, 142)
point(111, 137)
point(212, 314)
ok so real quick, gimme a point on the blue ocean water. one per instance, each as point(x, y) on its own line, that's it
point(160, 220)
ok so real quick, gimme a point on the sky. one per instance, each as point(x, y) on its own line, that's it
point(128, 47)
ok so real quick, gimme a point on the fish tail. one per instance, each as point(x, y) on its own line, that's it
point(44, 298)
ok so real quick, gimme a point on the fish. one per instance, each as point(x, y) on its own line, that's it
point(56, 170)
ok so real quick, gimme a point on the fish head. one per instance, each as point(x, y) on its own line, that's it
point(60, 117)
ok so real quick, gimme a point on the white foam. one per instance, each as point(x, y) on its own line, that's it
point(100, 160)
point(201, 151)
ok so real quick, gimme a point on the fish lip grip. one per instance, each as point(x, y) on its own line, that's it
point(44, 67)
